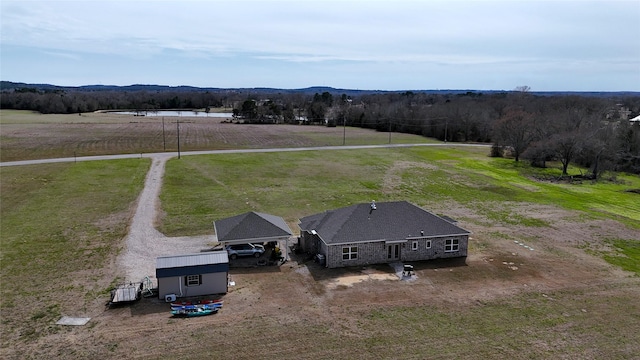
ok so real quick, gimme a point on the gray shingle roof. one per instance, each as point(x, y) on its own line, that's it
point(389, 221)
point(251, 225)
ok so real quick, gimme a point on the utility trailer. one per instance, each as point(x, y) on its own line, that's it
point(126, 293)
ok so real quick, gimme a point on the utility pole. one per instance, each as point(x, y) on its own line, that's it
point(178, 126)
point(446, 123)
point(344, 130)
point(389, 131)
point(164, 139)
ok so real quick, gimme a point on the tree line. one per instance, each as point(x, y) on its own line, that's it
point(59, 101)
point(587, 130)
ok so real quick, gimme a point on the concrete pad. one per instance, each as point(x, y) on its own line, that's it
point(75, 321)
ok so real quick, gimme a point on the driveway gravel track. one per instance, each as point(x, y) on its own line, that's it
point(144, 243)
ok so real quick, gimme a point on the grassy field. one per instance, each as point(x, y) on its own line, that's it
point(201, 188)
point(62, 227)
point(27, 135)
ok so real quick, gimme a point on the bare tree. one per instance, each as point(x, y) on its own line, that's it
point(515, 129)
point(565, 146)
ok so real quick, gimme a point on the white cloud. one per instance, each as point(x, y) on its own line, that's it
point(462, 35)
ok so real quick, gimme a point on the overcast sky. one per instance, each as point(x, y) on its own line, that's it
point(374, 45)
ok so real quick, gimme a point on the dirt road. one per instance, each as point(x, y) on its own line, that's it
point(144, 243)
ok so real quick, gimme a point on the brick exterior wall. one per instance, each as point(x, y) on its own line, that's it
point(437, 250)
point(377, 252)
point(368, 253)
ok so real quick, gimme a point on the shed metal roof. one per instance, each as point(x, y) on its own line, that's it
point(190, 260)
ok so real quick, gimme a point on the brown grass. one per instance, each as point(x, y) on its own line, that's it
point(26, 135)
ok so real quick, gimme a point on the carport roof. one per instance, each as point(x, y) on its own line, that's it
point(251, 227)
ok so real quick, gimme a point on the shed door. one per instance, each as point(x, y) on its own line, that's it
point(393, 252)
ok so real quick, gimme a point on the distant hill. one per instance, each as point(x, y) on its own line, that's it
point(9, 85)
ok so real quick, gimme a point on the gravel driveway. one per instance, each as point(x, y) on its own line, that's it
point(144, 243)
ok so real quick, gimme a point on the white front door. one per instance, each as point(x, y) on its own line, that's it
point(393, 251)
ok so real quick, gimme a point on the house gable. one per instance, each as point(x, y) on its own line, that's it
point(364, 234)
point(390, 221)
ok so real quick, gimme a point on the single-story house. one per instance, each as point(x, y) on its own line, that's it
point(199, 274)
point(383, 232)
point(252, 227)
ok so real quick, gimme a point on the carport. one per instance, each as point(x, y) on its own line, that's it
point(253, 227)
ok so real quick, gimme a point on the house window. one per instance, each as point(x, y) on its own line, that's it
point(414, 245)
point(451, 245)
point(193, 280)
point(349, 252)
point(428, 246)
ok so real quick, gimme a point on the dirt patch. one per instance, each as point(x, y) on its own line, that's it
point(393, 176)
point(366, 274)
point(302, 294)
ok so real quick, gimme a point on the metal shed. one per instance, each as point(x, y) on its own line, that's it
point(192, 274)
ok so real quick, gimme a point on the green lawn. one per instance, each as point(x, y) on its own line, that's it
point(61, 226)
point(626, 254)
point(201, 189)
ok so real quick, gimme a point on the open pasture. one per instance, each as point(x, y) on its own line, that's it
point(293, 185)
point(27, 135)
point(573, 296)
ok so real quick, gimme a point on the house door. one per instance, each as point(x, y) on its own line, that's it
point(393, 252)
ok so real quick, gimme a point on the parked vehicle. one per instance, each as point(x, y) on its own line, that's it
point(245, 250)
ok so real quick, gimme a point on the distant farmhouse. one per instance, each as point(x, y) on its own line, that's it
point(383, 232)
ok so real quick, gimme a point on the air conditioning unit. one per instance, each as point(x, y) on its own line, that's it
point(170, 298)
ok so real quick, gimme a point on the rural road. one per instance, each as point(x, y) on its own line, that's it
point(212, 152)
point(144, 243)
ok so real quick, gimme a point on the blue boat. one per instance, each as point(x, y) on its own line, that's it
point(188, 309)
point(189, 306)
point(193, 310)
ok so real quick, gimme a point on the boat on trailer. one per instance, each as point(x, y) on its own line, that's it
point(213, 303)
point(193, 310)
